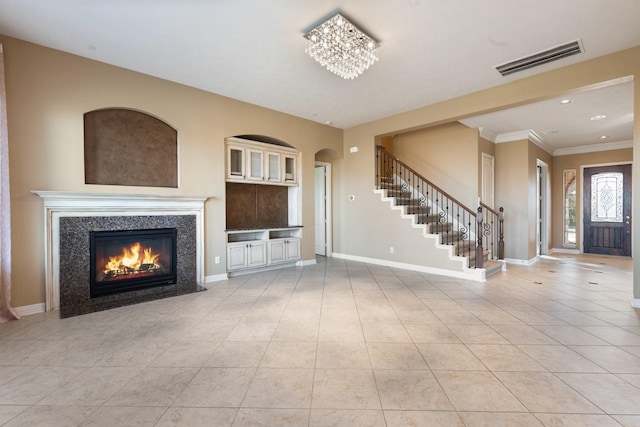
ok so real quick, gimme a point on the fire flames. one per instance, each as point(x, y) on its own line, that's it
point(134, 259)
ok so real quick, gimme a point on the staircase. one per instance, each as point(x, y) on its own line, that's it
point(459, 229)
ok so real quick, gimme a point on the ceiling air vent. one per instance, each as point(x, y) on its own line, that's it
point(553, 54)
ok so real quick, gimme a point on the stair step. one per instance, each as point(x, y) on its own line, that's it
point(472, 255)
point(462, 247)
point(390, 186)
point(452, 238)
point(418, 210)
point(407, 201)
point(396, 192)
point(427, 218)
point(444, 227)
point(492, 267)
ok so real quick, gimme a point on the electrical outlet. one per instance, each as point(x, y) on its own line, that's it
point(217, 260)
point(391, 249)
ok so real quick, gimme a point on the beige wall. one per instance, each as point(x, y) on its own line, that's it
point(512, 186)
point(578, 161)
point(446, 155)
point(516, 189)
point(49, 91)
point(356, 170)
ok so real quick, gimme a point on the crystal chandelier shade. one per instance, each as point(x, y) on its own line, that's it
point(341, 47)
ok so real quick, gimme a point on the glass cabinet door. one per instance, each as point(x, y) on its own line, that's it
point(273, 167)
point(235, 165)
point(255, 165)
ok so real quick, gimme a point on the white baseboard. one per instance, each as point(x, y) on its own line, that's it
point(635, 303)
point(26, 310)
point(565, 251)
point(521, 261)
point(225, 276)
point(475, 275)
point(216, 278)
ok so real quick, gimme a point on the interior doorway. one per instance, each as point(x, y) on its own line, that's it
point(488, 173)
point(322, 196)
point(543, 206)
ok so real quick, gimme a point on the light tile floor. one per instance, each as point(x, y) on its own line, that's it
point(342, 344)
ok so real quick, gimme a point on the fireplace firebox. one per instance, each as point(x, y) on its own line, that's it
point(128, 260)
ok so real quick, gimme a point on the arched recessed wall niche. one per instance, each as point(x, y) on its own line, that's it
point(129, 147)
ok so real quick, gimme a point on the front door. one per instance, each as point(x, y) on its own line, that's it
point(607, 210)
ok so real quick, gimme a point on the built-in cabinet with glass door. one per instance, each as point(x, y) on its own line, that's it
point(257, 163)
point(254, 162)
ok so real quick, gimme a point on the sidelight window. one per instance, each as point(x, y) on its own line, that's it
point(569, 186)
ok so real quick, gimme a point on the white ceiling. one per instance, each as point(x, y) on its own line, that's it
point(430, 51)
point(564, 128)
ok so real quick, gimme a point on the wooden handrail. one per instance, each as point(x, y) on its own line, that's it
point(490, 209)
point(444, 193)
point(479, 215)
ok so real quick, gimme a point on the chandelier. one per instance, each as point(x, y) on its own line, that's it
point(341, 47)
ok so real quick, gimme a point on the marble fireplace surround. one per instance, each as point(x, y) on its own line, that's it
point(114, 208)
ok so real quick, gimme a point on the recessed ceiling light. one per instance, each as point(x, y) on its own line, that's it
point(566, 101)
point(598, 117)
point(604, 137)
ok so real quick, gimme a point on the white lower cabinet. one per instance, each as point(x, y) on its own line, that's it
point(283, 250)
point(277, 252)
point(246, 255)
point(293, 249)
point(249, 249)
point(237, 256)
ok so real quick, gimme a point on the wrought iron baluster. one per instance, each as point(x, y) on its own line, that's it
point(453, 222)
point(479, 249)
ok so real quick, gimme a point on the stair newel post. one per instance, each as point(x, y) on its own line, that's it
point(479, 249)
point(468, 233)
point(501, 228)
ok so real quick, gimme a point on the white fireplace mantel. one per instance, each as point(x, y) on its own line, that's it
point(59, 204)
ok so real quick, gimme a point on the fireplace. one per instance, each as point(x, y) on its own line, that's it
point(71, 217)
point(128, 260)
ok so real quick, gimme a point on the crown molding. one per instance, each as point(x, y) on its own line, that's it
point(604, 146)
point(539, 141)
point(487, 134)
point(527, 134)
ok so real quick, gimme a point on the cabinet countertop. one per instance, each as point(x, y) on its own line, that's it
point(236, 230)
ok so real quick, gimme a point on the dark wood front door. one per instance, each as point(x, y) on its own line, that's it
point(607, 210)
